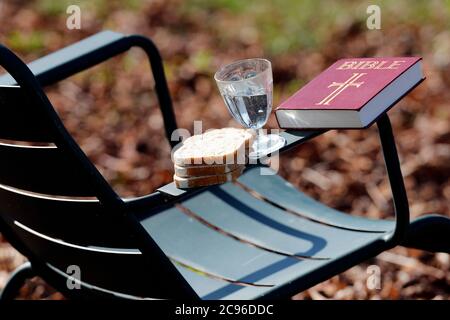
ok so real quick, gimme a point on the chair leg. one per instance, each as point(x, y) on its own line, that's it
point(429, 233)
point(16, 281)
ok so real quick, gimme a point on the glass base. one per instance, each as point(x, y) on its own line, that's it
point(265, 144)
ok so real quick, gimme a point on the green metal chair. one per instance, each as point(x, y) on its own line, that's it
point(255, 238)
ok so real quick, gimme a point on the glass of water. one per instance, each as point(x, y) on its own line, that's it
point(247, 89)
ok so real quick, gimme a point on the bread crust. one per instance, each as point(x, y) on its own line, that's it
point(194, 182)
point(204, 170)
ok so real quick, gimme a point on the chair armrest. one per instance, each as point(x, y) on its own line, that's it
point(394, 173)
point(93, 50)
point(72, 59)
point(293, 138)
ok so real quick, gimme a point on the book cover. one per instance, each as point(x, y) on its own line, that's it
point(349, 85)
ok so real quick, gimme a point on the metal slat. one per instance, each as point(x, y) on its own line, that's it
point(232, 210)
point(203, 248)
point(292, 277)
point(69, 60)
point(280, 192)
point(187, 240)
point(20, 119)
point(126, 268)
point(43, 170)
point(83, 222)
point(204, 285)
point(119, 270)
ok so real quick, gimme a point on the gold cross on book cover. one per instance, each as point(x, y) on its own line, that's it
point(352, 93)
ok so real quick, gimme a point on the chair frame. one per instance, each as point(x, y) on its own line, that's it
point(104, 45)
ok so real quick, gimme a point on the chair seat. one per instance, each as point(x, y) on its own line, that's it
point(260, 237)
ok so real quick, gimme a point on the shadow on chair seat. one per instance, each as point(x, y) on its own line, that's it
point(233, 242)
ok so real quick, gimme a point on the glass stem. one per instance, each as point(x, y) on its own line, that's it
point(259, 133)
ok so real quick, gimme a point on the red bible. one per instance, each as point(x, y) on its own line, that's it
point(352, 93)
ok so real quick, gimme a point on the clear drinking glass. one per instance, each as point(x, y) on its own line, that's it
point(247, 89)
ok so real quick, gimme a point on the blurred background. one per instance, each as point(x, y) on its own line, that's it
point(112, 111)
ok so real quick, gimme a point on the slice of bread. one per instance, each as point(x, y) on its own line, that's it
point(247, 134)
point(204, 170)
point(193, 182)
point(215, 147)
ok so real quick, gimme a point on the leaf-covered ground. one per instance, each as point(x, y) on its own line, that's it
point(113, 113)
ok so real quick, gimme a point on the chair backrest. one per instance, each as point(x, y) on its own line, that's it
point(56, 208)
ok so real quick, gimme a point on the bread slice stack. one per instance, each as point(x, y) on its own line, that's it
point(214, 157)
